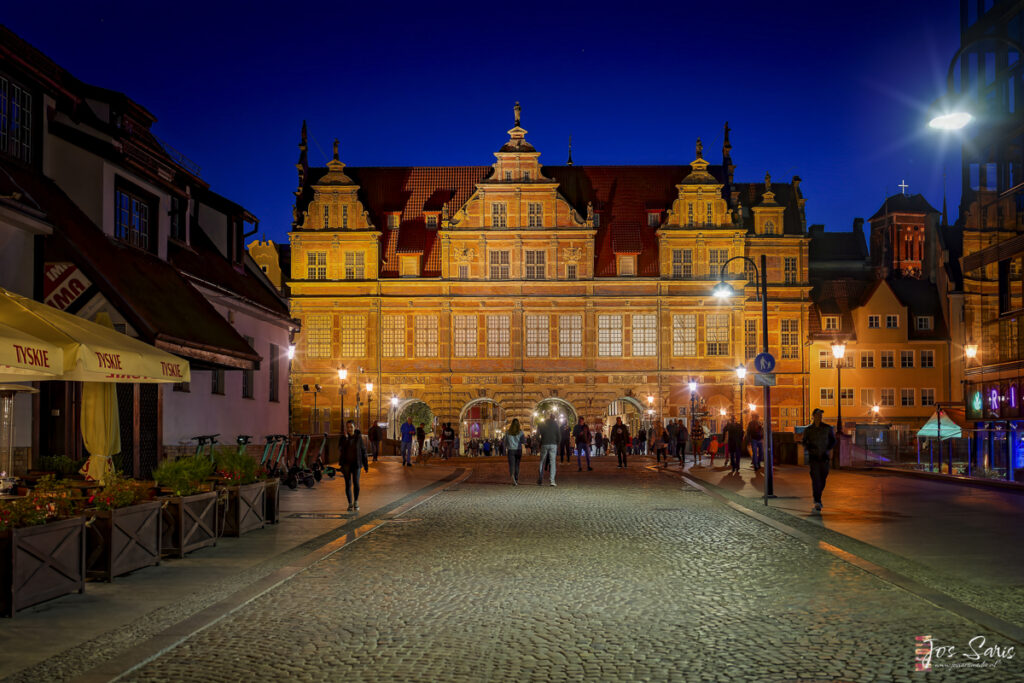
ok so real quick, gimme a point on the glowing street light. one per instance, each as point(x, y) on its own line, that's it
point(291, 351)
point(951, 112)
point(839, 352)
point(954, 120)
point(971, 351)
point(752, 407)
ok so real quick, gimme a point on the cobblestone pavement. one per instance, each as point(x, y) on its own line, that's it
point(610, 576)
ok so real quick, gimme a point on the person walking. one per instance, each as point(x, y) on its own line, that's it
point(447, 441)
point(564, 443)
point(351, 457)
point(376, 435)
point(421, 436)
point(408, 432)
point(819, 439)
point(581, 435)
point(755, 435)
point(682, 438)
point(697, 435)
point(641, 438)
point(550, 437)
point(619, 439)
point(514, 448)
point(732, 436)
point(670, 440)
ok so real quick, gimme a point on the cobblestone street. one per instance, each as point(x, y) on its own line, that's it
point(610, 576)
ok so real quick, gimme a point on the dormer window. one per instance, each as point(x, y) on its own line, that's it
point(409, 265)
point(393, 220)
point(830, 322)
point(769, 227)
point(653, 219)
point(431, 220)
point(627, 265)
point(924, 322)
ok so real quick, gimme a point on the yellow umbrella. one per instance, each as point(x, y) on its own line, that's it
point(101, 423)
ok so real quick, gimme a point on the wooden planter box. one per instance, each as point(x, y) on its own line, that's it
point(39, 563)
point(123, 540)
point(273, 499)
point(245, 508)
point(189, 523)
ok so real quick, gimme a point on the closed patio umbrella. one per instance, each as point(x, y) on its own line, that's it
point(101, 423)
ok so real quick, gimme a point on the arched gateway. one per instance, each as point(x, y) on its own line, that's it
point(480, 419)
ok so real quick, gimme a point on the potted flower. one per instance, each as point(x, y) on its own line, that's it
point(245, 504)
point(190, 510)
point(42, 546)
point(124, 532)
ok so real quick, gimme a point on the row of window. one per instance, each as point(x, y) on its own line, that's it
point(887, 359)
point(218, 379)
point(885, 397)
point(534, 214)
point(892, 322)
point(686, 340)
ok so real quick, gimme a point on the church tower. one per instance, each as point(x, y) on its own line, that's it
point(902, 230)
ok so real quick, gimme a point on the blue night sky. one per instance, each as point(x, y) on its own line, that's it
point(835, 94)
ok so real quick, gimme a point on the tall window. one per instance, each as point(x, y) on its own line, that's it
point(344, 215)
point(888, 359)
point(827, 396)
point(749, 338)
point(888, 397)
point(534, 265)
point(716, 257)
point(906, 359)
point(609, 335)
point(570, 271)
point(645, 334)
point(846, 396)
point(353, 336)
point(689, 214)
point(499, 265)
point(570, 336)
point(465, 336)
point(537, 340)
point(354, 269)
point(536, 214)
point(927, 358)
point(789, 268)
point(499, 336)
point(274, 374)
point(769, 227)
point(684, 335)
point(393, 342)
point(15, 121)
point(682, 263)
point(316, 265)
point(426, 336)
point(790, 341)
point(927, 397)
point(463, 271)
point(750, 274)
point(217, 382)
point(709, 217)
point(717, 333)
point(327, 216)
point(499, 215)
point(824, 359)
point(867, 397)
point(317, 329)
point(907, 398)
point(248, 376)
point(132, 224)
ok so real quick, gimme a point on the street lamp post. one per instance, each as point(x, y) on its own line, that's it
point(741, 373)
point(369, 404)
point(950, 114)
point(342, 376)
point(315, 418)
point(724, 290)
point(394, 416)
point(839, 353)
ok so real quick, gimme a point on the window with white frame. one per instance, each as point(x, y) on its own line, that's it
point(426, 336)
point(867, 397)
point(888, 359)
point(354, 265)
point(537, 339)
point(609, 335)
point(892, 322)
point(825, 359)
point(924, 322)
point(499, 215)
point(874, 322)
point(790, 341)
point(645, 334)
point(830, 322)
point(827, 396)
point(888, 397)
point(906, 359)
point(749, 338)
point(316, 265)
point(393, 336)
point(570, 336)
point(684, 335)
point(627, 264)
point(907, 398)
point(570, 271)
point(353, 336)
point(317, 330)
point(789, 270)
point(499, 264)
point(927, 397)
point(867, 359)
point(535, 265)
point(535, 214)
point(498, 336)
point(717, 331)
point(846, 396)
point(927, 358)
point(465, 336)
point(15, 121)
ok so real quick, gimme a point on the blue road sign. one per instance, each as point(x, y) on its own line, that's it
point(764, 362)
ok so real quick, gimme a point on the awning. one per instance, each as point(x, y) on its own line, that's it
point(88, 352)
point(945, 423)
point(24, 358)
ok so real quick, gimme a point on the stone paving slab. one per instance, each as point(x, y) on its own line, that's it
point(611, 576)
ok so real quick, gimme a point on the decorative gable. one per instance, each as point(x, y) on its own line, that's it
point(335, 204)
point(768, 215)
point(699, 203)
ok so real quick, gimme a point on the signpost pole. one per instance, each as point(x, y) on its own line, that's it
point(769, 483)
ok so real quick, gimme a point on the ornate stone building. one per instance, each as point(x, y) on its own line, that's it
point(501, 291)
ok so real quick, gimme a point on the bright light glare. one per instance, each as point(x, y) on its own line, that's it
point(291, 351)
point(394, 401)
point(723, 290)
point(875, 409)
point(741, 372)
point(342, 374)
point(369, 386)
point(721, 411)
point(971, 350)
point(693, 386)
point(839, 350)
point(954, 120)
point(751, 407)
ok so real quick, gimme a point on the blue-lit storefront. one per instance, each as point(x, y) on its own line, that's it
point(997, 439)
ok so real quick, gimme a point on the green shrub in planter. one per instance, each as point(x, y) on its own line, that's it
point(184, 476)
point(236, 468)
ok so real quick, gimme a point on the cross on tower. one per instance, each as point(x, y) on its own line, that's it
point(903, 186)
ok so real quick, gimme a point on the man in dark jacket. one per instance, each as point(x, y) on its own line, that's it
point(564, 445)
point(550, 437)
point(818, 442)
point(732, 436)
point(682, 437)
point(581, 435)
point(376, 435)
point(352, 456)
point(619, 439)
point(755, 435)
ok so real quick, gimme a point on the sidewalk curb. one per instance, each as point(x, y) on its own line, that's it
point(937, 598)
point(152, 648)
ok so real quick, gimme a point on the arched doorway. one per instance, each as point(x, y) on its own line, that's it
point(629, 409)
point(481, 419)
point(415, 408)
point(558, 408)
